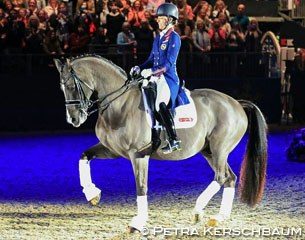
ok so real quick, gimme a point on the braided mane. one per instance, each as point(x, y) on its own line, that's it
point(105, 60)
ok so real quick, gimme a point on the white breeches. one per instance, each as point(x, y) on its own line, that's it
point(163, 91)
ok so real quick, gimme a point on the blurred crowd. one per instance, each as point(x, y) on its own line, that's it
point(60, 27)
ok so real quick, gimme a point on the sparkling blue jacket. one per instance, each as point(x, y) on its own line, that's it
point(162, 60)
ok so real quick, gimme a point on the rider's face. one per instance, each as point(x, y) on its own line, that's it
point(162, 22)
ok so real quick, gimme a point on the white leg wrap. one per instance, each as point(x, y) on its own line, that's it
point(89, 188)
point(227, 201)
point(140, 220)
point(206, 196)
point(142, 206)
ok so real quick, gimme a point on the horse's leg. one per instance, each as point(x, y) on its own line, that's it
point(227, 198)
point(140, 169)
point(223, 176)
point(91, 192)
point(204, 198)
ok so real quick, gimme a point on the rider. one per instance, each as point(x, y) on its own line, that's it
point(160, 68)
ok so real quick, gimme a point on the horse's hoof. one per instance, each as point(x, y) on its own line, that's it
point(132, 230)
point(212, 222)
point(95, 201)
point(197, 217)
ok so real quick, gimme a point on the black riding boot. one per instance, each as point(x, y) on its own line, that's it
point(168, 122)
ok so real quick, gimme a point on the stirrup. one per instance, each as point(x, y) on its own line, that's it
point(171, 146)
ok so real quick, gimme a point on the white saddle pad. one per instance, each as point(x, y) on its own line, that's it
point(185, 116)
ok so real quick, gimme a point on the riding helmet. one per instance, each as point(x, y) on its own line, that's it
point(168, 9)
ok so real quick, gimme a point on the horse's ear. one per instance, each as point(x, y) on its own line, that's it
point(58, 64)
point(68, 63)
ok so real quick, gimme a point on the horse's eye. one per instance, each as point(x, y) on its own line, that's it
point(70, 87)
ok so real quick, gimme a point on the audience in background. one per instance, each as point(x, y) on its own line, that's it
point(136, 14)
point(126, 39)
point(253, 37)
point(219, 8)
point(114, 21)
point(51, 8)
point(235, 39)
point(217, 36)
point(185, 33)
point(241, 18)
point(79, 40)
point(36, 27)
point(187, 11)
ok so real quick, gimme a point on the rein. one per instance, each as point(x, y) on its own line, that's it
point(86, 104)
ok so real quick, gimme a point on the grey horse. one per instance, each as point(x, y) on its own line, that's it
point(122, 130)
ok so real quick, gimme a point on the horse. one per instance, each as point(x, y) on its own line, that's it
point(123, 130)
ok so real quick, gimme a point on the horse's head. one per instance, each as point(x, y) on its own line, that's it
point(77, 93)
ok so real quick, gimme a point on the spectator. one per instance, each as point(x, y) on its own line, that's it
point(8, 7)
point(85, 6)
point(16, 33)
point(148, 6)
point(202, 45)
point(220, 7)
point(203, 6)
point(185, 34)
point(217, 36)
point(241, 18)
point(126, 39)
point(99, 37)
point(51, 8)
point(155, 4)
point(65, 25)
point(4, 28)
point(41, 4)
point(102, 10)
point(22, 16)
point(225, 23)
point(34, 37)
point(51, 43)
point(152, 22)
point(32, 8)
point(17, 4)
point(51, 46)
point(145, 36)
point(43, 17)
point(253, 37)
point(136, 14)
point(124, 6)
point(114, 22)
point(236, 39)
point(201, 39)
point(203, 16)
point(187, 11)
point(79, 40)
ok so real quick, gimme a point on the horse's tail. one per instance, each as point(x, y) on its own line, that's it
point(254, 164)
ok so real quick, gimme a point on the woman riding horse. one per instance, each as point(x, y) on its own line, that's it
point(160, 67)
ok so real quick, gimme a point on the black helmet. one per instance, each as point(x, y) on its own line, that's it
point(167, 9)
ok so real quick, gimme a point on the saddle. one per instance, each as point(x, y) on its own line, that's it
point(184, 111)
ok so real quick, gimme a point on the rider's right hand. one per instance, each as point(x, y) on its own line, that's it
point(135, 71)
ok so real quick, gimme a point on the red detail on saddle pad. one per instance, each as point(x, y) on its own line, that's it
point(185, 119)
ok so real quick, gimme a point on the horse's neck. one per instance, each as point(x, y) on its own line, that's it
point(118, 113)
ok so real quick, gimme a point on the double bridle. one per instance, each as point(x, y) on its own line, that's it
point(85, 104)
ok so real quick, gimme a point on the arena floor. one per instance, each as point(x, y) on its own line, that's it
point(40, 195)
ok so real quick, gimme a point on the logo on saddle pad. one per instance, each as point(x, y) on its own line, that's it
point(185, 115)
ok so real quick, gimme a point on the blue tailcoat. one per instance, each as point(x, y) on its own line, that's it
point(162, 60)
